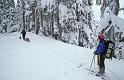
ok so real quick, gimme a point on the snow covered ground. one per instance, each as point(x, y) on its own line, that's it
point(47, 59)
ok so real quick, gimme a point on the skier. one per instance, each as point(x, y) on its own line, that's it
point(56, 35)
point(100, 52)
point(23, 32)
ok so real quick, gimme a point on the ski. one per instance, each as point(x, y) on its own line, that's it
point(92, 72)
point(104, 77)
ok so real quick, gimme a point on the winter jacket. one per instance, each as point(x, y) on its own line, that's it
point(101, 48)
point(23, 32)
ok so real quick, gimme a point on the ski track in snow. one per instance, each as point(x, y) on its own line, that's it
point(44, 59)
point(113, 76)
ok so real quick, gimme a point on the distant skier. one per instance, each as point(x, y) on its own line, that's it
point(56, 35)
point(100, 52)
point(23, 32)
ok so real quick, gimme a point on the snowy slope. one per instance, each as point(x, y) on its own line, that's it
point(47, 59)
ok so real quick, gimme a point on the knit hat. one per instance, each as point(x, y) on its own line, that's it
point(101, 36)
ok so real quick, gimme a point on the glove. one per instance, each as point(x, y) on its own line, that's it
point(95, 53)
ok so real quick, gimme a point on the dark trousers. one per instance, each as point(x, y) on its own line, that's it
point(56, 36)
point(101, 63)
point(23, 36)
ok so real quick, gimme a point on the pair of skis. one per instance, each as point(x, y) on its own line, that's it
point(92, 72)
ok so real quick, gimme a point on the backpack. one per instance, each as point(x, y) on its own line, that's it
point(109, 49)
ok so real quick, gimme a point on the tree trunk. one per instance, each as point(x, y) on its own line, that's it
point(41, 13)
point(59, 26)
point(33, 18)
point(37, 22)
point(52, 24)
point(23, 14)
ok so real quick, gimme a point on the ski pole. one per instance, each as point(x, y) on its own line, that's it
point(91, 64)
point(94, 62)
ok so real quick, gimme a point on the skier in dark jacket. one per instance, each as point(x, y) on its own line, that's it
point(100, 52)
point(23, 32)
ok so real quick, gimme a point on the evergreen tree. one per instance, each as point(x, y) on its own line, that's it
point(86, 37)
point(7, 15)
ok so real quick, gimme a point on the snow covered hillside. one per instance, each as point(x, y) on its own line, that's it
point(47, 59)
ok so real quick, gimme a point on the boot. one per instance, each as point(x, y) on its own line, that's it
point(98, 74)
point(101, 72)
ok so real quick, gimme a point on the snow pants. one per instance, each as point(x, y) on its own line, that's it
point(101, 63)
point(23, 36)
